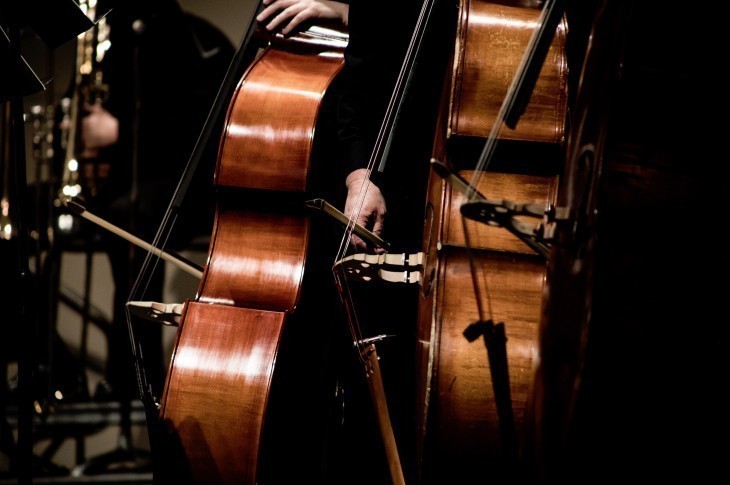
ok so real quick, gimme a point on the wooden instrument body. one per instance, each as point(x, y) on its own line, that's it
point(489, 46)
point(223, 366)
point(458, 425)
point(633, 346)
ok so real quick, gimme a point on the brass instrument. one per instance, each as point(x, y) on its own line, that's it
point(40, 122)
point(7, 228)
point(81, 177)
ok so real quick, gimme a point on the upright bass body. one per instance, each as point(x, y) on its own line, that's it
point(633, 347)
point(474, 400)
point(225, 364)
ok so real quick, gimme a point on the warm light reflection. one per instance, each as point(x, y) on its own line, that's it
point(334, 55)
point(71, 190)
point(521, 349)
point(73, 165)
point(269, 88)
point(272, 268)
point(101, 49)
point(267, 133)
point(7, 232)
point(501, 21)
point(218, 301)
point(203, 359)
point(65, 222)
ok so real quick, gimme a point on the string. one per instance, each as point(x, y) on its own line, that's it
point(219, 107)
point(144, 277)
point(383, 141)
point(381, 149)
point(487, 154)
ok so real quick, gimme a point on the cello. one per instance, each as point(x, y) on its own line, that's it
point(235, 370)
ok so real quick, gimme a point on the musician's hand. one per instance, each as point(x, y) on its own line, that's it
point(372, 213)
point(99, 129)
point(291, 14)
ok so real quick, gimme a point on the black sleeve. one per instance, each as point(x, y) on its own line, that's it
point(379, 35)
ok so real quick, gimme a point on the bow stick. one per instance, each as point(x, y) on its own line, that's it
point(188, 266)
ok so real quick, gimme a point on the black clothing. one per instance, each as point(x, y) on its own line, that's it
point(164, 69)
point(379, 36)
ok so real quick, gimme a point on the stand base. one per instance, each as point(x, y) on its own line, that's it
point(121, 460)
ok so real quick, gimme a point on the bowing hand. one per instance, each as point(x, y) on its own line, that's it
point(371, 214)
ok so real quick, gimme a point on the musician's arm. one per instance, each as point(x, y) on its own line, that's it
point(99, 129)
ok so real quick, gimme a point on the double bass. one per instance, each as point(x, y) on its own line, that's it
point(247, 356)
point(472, 402)
point(633, 346)
point(482, 286)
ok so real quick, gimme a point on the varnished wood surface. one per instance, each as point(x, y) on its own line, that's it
point(489, 48)
point(459, 421)
point(270, 130)
point(459, 435)
point(634, 341)
point(532, 189)
point(217, 389)
point(220, 378)
point(467, 429)
point(256, 260)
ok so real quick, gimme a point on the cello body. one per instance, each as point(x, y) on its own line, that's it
point(465, 427)
point(231, 343)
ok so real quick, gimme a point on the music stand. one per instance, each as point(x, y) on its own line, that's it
point(54, 21)
point(29, 82)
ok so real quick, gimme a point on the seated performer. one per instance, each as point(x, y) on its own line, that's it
point(373, 59)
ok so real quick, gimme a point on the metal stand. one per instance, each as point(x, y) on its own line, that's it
point(18, 81)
